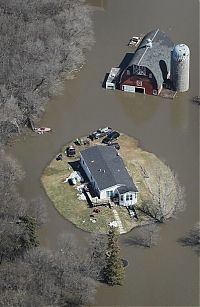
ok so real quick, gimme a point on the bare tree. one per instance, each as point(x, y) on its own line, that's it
point(168, 196)
point(38, 51)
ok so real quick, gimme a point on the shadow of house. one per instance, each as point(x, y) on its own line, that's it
point(76, 166)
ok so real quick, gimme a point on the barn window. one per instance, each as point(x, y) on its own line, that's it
point(139, 83)
point(142, 70)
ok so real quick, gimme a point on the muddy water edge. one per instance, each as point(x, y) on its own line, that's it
point(165, 275)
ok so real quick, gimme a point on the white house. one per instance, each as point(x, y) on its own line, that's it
point(108, 175)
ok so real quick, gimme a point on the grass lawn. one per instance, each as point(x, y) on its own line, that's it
point(65, 197)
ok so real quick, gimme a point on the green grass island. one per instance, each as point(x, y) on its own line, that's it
point(66, 198)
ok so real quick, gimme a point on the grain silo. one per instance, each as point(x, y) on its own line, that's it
point(180, 62)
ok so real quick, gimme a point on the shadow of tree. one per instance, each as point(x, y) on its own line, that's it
point(144, 236)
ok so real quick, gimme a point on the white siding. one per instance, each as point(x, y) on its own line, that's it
point(103, 193)
point(125, 199)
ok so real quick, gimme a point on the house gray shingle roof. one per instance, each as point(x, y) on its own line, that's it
point(107, 167)
point(150, 57)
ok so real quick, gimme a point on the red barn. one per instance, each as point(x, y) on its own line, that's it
point(149, 67)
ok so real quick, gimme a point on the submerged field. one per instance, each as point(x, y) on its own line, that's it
point(65, 196)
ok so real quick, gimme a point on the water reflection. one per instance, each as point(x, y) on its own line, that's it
point(137, 106)
point(180, 112)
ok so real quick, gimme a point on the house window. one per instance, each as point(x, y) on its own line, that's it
point(122, 198)
point(155, 92)
point(150, 76)
point(131, 197)
point(127, 196)
point(109, 193)
point(128, 72)
point(91, 177)
point(83, 162)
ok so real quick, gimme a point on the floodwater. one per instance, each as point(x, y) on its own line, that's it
point(165, 275)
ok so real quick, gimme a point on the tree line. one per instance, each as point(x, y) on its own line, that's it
point(33, 276)
point(41, 43)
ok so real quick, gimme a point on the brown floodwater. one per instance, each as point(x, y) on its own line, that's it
point(168, 274)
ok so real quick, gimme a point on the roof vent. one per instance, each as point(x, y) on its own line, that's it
point(92, 161)
point(100, 170)
point(149, 43)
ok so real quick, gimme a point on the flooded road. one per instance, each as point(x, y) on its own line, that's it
point(165, 275)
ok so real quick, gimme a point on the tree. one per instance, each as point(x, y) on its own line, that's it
point(96, 256)
point(192, 239)
point(168, 196)
point(17, 235)
point(113, 271)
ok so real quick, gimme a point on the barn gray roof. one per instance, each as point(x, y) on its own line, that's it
point(107, 167)
point(150, 57)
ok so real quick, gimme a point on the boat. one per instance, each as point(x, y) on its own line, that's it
point(42, 130)
point(134, 41)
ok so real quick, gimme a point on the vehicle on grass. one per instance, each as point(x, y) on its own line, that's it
point(101, 132)
point(111, 137)
point(70, 151)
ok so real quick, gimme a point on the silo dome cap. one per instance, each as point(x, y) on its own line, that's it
point(181, 52)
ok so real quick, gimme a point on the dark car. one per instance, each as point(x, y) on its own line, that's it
point(70, 151)
point(100, 133)
point(111, 137)
point(117, 146)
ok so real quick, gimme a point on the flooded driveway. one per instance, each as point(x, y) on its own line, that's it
point(165, 275)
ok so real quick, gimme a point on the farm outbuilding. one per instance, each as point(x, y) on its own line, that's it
point(149, 66)
point(148, 69)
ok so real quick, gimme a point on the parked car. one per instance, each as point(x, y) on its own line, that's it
point(117, 146)
point(70, 151)
point(111, 137)
point(100, 133)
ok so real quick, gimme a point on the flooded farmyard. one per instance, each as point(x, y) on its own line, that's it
point(167, 274)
